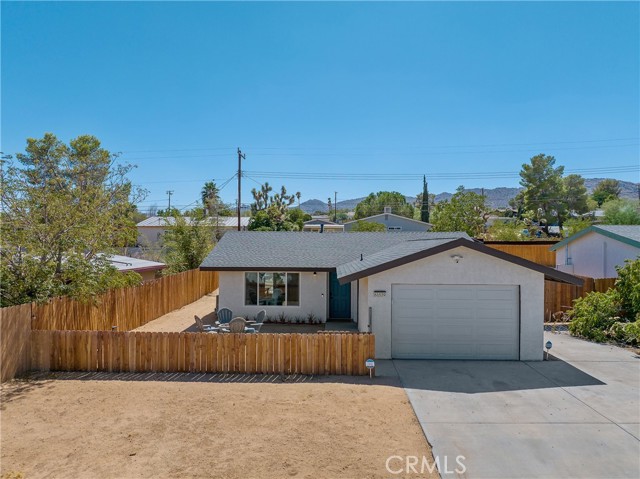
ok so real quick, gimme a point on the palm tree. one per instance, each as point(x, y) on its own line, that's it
point(210, 197)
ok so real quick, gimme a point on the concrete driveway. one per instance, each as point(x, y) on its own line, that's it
point(575, 416)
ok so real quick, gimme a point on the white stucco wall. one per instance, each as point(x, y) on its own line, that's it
point(313, 294)
point(363, 316)
point(595, 255)
point(150, 235)
point(474, 268)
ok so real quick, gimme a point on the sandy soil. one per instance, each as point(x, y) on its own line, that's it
point(182, 319)
point(253, 427)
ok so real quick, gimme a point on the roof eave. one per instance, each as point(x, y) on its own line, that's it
point(267, 268)
point(595, 229)
point(549, 273)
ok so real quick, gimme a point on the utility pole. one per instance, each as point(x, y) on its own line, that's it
point(169, 192)
point(241, 157)
point(335, 206)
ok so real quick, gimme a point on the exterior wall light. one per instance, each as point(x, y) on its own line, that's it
point(456, 257)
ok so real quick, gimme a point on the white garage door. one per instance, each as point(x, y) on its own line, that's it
point(455, 321)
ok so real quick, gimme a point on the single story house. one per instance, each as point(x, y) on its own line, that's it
point(597, 250)
point(151, 230)
point(149, 270)
point(392, 222)
point(322, 226)
point(424, 295)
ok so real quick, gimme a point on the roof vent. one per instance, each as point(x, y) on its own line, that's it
point(387, 209)
point(361, 257)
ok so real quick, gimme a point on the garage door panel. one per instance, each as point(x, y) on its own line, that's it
point(415, 293)
point(496, 314)
point(452, 312)
point(462, 294)
point(494, 294)
point(455, 322)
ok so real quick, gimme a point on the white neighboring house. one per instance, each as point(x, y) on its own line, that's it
point(424, 295)
point(392, 222)
point(151, 230)
point(149, 270)
point(597, 250)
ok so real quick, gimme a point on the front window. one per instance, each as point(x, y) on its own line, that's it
point(271, 289)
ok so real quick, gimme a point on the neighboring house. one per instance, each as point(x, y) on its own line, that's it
point(597, 250)
point(147, 269)
point(392, 222)
point(322, 226)
point(424, 295)
point(151, 230)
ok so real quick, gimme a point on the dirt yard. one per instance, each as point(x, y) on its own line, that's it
point(182, 319)
point(247, 427)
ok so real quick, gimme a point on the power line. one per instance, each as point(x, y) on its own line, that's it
point(230, 149)
point(432, 176)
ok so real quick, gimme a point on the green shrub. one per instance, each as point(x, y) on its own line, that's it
point(623, 332)
point(628, 287)
point(594, 315)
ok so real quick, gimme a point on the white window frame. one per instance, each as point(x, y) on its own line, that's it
point(286, 289)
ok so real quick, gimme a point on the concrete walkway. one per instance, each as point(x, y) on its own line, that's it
point(575, 416)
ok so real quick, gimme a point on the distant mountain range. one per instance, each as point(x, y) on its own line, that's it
point(496, 197)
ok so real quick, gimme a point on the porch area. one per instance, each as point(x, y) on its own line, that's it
point(181, 320)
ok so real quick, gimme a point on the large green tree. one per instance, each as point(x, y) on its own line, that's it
point(186, 242)
point(547, 196)
point(464, 212)
point(543, 194)
point(375, 203)
point(424, 201)
point(65, 208)
point(621, 212)
point(606, 190)
point(575, 194)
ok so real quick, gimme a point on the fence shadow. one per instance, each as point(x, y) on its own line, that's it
point(215, 378)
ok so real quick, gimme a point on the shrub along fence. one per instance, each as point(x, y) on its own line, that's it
point(321, 353)
point(560, 296)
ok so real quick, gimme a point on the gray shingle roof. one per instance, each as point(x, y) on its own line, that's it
point(631, 232)
point(392, 253)
point(127, 263)
point(222, 221)
point(295, 250)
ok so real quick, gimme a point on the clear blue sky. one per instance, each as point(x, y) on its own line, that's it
point(452, 90)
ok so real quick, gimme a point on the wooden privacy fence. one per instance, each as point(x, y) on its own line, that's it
point(536, 251)
point(559, 296)
point(126, 308)
point(339, 353)
point(15, 333)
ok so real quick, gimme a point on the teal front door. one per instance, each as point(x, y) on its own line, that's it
point(339, 298)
